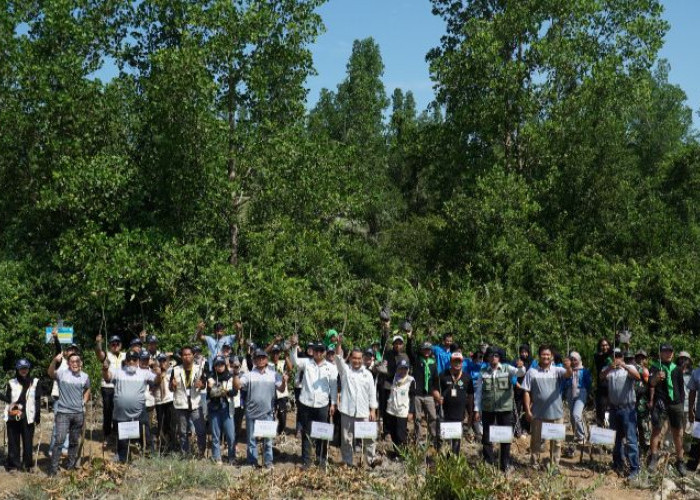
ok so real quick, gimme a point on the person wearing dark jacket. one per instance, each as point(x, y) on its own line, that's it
point(455, 385)
point(601, 359)
point(424, 369)
point(522, 426)
point(22, 414)
point(667, 397)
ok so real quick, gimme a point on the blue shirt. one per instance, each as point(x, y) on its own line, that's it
point(215, 346)
point(442, 357)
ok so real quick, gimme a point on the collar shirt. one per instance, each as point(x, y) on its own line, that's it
point(319, 385)
point(621, 387)
point(545, 388)
point(358, 393)
point(493, 373)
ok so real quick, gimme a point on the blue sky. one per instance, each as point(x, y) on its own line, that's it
point(406, 30)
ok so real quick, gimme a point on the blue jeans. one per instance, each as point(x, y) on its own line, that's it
point(624, 421)
point(221, 421)
point(576, 406)
point(252, 453)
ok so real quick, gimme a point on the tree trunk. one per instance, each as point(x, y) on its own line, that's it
point(233, 213)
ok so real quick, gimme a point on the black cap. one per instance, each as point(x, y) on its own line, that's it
point(136, 341)
point(132, 355)
point(73, 346)
point(403, 363)
point(162, 357)
point(260, 353)
point(22, 363)
point(219, 360)
point(318, 346)
point(144, 356)
point(426, 345)
point(151, 339)
point(666, 347)
point(114, 339)
point(369, 352)
point(275, 348)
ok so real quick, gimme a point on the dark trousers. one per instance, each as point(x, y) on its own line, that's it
point(489, 418)
point(281, 411)
point(522, 425)
point(167, 426)
point(694, 454)
point(19, 431)
point(107, 410)
point(455, 444)
point(297, 394)
point(308, 415)
point(71, 425)
point(397, 428)
point(238, 415)
point(601, 405)
point(123, 444)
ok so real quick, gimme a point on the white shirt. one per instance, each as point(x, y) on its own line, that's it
point(358, 392)
point(319, 385)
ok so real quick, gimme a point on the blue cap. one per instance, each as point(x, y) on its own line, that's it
point(161, 357)
point(136, 341)
point(403, 363)
point(219, 360)
point(144, 356)
point(132, 355)
point(151, 339)
point(115, 339)
point(22, 363)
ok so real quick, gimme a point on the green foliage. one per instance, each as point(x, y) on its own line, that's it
point(550, 193)
point(453, 477)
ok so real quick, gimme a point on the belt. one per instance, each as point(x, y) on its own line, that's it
point(629, 406)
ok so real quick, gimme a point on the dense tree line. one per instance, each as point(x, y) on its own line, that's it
point(551, 191)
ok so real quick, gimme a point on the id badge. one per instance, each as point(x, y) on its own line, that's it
point(187, 392)
point(453, 393)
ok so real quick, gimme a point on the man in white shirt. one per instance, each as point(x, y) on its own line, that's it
point(317, 401)
point(358, 403)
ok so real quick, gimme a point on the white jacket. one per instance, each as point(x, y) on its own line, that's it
point(358, 392)
point(319, 385)
point(182, 389)
point(30, 405)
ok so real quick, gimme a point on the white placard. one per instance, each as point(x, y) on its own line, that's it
point(500, 433)
point(696, 430)
point(265, 429)
point(556, 432)
point(599, 435)
point(322, 430)
point(129, 430)
point(365, 430)
point(451, 430)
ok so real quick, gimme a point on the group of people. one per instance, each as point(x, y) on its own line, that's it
point(169, 398)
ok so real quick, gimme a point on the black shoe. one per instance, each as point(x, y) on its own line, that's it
point(680, 467)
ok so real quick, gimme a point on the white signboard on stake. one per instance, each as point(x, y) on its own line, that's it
point(322, 430)
point(451, 430)
point(696, 430)
point(129, 430)
point(556, 432)
point(365, 430)
point(600, 435)
point(500, 433)
point(265, 429)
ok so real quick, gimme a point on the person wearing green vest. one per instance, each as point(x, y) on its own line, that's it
point(667, 393)
point(424, 369)
point(493, 401)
